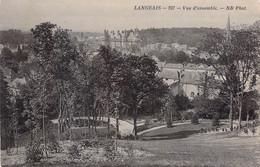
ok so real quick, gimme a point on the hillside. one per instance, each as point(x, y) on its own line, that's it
point(183, 36)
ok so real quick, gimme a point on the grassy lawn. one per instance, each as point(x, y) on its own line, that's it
point(223, 149)
point(175, 132)
point(183, 145)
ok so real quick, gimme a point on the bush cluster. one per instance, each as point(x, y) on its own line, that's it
point(53, 144)
point(110, 150)
point(128, 137)
point(73, 151)
point(215, 120)
point(129, 149)
point(194, 119)
point(34, 151)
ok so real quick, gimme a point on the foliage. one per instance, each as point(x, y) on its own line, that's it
point(53, 144)
point(181, 57)
point(215, 120)
point(207, 107)
point(235, 58)
point(184, 36)
point(128, 82)
point(14, 37)
point(110, 150)
point(34, 151)
point(182, 102)
point(168, 122)
point(73, 151)
point(170, 55)
point(250, 105)
point(6, 113)
point(176, 106)
point(129, 149)
point(48, 75)
point(187, 115)
point(128, 137)
point(7, 60)
point(194, 119)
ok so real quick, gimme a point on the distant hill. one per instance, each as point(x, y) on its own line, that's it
point(183, 36)
point(14, 37)
point(86, 34)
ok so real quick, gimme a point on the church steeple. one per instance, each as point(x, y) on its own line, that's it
point(228, 27)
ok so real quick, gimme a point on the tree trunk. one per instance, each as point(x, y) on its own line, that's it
point(70, 127)
point(16, 138)
point(95, 126)
point(231, 111)
point(247, 119)
point(84, 126)
point(89, 129)
point(117, 125)
point(241, 107)
point(108, 126)
point(31, 137)
point(44, 134)
point(108, 117)
point(135, 124)
point(240, 111)
point(59, 118)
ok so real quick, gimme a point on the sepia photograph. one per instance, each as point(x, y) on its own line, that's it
point(130, 83)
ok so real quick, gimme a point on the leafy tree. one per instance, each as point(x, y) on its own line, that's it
point(182, 102)
point(234, 59)
point(250, 105)
point(176, 105)
point(6, 113)
point(143, 83)
point(207, 108)
point(49, 77)
point(181, 57)
point(104, 65)
point(8, 60)
point(12, 38)
point(194, 119)
point(215, 120)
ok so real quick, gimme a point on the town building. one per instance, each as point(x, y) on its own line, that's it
point(123, 39)
point(190, 80)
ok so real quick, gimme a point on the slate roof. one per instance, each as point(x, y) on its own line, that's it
point(187, 77)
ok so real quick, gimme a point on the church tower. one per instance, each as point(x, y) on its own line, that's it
point(228, 27)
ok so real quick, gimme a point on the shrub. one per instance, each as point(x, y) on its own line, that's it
point(73, 151)
point(168, 123)
point(129, 149)
point(194, 119)
point(34, 152)
point(187, 115)
point(246, 131)
point(253, 131)
point(86, 143)
point(8, 151)
point(128, 137)
point(53, 144)
point(147, 121)
point(215, 120)
point(110, 150)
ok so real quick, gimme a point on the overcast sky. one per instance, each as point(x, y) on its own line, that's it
point(97, 15)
